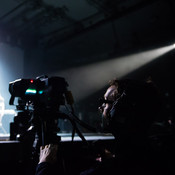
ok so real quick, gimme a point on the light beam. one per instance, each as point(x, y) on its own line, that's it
point(84, 81)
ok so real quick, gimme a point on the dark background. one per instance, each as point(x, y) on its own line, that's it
point(82, 42)
point(64, 38)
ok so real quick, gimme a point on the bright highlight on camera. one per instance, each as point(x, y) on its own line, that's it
point(30, 91)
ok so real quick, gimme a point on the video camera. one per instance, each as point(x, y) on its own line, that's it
point(39, 101)
point(38, 107)
point(42, 91)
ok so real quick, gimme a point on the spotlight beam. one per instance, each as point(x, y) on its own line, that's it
point(86, 80)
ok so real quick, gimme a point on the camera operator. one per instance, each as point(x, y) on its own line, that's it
point(129, 109)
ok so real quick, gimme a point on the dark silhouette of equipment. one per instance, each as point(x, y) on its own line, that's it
point(38, 106)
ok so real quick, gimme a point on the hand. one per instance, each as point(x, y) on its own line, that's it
point(105, 155)
point(48, 153)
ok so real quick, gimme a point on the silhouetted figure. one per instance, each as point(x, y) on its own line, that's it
point(130, 109)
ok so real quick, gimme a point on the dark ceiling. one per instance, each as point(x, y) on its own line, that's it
point(46, 23)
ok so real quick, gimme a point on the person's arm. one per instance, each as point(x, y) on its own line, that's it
point(48, 157)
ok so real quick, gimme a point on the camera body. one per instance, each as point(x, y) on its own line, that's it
point(42, 91)
point(39, 101)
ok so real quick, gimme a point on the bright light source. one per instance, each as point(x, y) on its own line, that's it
point(40, 92)
point(30, 91)
point(4, 111)
point(86, 80)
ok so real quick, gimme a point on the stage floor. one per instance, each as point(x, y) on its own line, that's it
point(68, 137)
point(87, 136)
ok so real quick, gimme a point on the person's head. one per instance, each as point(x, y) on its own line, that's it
point(108, 100)
point(128, 107)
